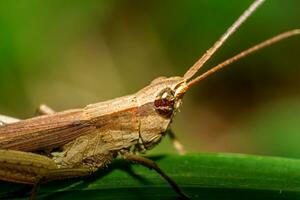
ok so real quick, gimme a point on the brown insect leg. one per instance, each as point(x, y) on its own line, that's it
point(152, 165)
point(176, 143)
point(34, 190)
point(34, 169)
point(43, 109)
point(57, 174)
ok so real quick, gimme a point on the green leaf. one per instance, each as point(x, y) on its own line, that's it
point(202, 176)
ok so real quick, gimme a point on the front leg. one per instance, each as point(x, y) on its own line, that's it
point(152, 165)
point(176, 143)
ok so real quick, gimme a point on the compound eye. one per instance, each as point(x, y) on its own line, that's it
point(164, 103)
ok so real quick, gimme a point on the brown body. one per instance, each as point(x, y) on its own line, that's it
point(93, 135)
point(77, 142)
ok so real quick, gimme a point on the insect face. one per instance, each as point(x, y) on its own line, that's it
point(158, 104)
point(164, 102)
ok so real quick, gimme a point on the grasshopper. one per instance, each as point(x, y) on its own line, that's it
point(77, 142)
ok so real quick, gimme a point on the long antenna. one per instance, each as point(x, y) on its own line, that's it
point(193, 70)
point(251, 50)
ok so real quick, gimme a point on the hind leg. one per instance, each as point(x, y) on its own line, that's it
point(34, 169)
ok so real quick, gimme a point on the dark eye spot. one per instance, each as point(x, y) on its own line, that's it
point(164, 103)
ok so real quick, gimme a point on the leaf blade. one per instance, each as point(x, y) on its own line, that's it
point(201, 175)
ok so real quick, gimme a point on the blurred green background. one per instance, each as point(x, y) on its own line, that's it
point(68, 54)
